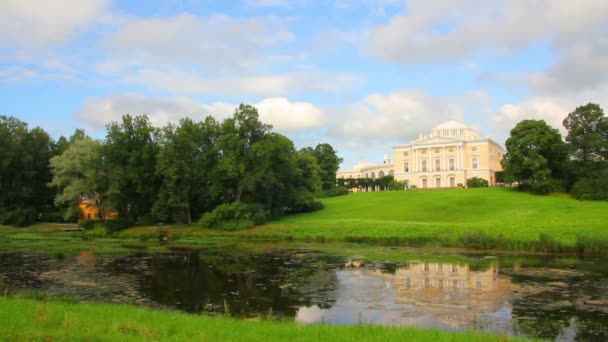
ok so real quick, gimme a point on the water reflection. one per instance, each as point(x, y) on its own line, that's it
point(549, 297)
point(439, 295)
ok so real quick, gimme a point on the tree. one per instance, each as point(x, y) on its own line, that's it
point(587, 133)
point(129, 153)
point(24, 172)
point(78, 172)
point(328, 161)
point(588, 146)
point(187, 166)
point(535, 156)
point(239, 134)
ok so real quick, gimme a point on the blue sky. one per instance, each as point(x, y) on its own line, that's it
point(362, 75)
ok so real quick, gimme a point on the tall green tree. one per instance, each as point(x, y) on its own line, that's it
point(187, 165)
point(24, 172)
point(328, 161)
point(239, 134)
point(78, 173)
point(536, 155)
point(129, 155)
point(587, 133)
point(588, 146)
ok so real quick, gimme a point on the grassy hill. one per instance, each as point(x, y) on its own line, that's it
point(482, 217)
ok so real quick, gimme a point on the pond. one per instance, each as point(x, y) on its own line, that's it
point(537, 296)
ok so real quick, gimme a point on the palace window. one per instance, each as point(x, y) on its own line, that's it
point(437, 165)
point(451, 149)
point(451, 161)
point(474, 163)
point(423, 151)
point(406, 153)
point(437, 150)
point(473, 148)
point(424, 166)
point(406, 167)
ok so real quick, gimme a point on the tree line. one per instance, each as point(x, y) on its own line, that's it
point(540, 161)
point(143, 174)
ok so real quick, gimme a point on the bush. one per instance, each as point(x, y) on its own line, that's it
point(116, 225)
point(87, 224)
point(334, 192)
point(304, 202)
point(590, 189)
point(234, 216)
point(477, 182)
point(19, 217)
point(73, 214)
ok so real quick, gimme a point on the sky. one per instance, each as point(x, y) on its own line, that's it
point(362, 75)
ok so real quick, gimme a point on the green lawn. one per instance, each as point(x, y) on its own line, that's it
point(445, 216)
point(27, 320)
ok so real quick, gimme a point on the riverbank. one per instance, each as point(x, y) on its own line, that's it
point(498, 219)
point(24, 320)
point(482, 218)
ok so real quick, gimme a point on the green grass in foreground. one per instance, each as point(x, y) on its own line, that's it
point(485, 217)
point(25, 320)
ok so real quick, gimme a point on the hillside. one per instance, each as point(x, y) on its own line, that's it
point(448, 217)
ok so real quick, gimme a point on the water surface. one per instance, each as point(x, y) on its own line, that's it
point(537, 296)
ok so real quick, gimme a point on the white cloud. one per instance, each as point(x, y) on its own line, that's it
point(39, 24)
point(216, 43)
point(400, 115)
point(283, 84)
point(284, 115)
point(290, 116)
point(436, 30)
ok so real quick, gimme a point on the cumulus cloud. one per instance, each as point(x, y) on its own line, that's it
point(398, 115)
point(281, 84)
point(284, 115)
point(212, 43)
point(436, 30)
point(42, 23)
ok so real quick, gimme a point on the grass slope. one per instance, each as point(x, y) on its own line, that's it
point(446, 216)
point(27, 320)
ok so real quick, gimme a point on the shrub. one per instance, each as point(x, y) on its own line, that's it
point(87, 224)
point(333, 192)
point(233, 216)
point(72, 214)
point(590, 189)
point(477, 182)
point(116, 225)
point(304, 202)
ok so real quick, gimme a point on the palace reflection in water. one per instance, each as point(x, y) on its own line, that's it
point(430, 294)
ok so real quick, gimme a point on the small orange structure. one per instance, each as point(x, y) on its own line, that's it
point(90, 210)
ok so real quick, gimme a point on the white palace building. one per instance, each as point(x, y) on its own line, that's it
point(449, 155)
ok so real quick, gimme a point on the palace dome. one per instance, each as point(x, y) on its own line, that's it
point(451, 124)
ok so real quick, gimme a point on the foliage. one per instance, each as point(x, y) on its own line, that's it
point(233, 216)
point(129, 153)
point(535, 155)
point(87, 224)
point(116, 225)
point(24, 172)
point(477, 182)
point(78, 173)
point(143, 174)
point(328, 162)
point(336, 191)
point(588, 146)
point(186, 163)
point(587, 133)
point(591, 189)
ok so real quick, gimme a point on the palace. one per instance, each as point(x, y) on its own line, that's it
point(449, 155)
